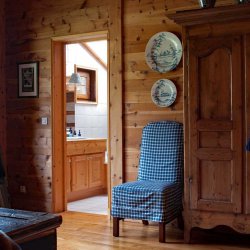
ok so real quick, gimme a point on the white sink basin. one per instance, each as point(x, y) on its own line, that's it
point(76, 138)
point(80, 138)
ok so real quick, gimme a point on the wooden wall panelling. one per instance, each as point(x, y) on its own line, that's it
point(142, 19)
point(30, 40)
point(2, 84)
point(247, 123)
point(45, 20)
point(115, 94)
point(29, 143)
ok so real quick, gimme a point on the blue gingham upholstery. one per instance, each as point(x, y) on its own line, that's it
point(157, 194)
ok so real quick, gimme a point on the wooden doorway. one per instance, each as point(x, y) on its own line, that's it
point(59, 124)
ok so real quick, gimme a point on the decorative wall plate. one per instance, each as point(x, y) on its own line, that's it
point(163, 93)
point(163, 52)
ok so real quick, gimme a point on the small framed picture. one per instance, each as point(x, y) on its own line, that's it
point(28, 79)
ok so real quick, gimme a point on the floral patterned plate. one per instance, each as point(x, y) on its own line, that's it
point(163, 93)
point(163, 52)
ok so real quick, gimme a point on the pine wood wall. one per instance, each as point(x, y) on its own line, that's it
point(30, 26)
point(142, 19)
point(2, 82)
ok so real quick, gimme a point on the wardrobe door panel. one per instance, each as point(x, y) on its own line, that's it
point(215, 124)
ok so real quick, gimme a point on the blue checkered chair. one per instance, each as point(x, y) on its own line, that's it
point(157, 194)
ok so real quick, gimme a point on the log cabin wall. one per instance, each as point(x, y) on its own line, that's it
point(29, 28)
point(2, 82)
point(142, 19)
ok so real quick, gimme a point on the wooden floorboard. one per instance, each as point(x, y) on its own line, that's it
point(81, 231)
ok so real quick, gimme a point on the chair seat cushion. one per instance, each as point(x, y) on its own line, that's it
point(159, 201)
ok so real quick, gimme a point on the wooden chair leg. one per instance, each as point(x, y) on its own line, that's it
point(162, 232)
point(116, 226)
point(145, 222)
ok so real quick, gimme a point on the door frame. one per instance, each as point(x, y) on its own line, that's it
point(115, 166)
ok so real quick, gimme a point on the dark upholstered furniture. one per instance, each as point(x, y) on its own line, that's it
point(30, 230)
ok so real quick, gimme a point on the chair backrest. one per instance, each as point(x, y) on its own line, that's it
point(161, 156)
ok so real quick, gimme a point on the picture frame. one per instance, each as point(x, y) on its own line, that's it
point(86, 91)
point(28, 79)
point(83, 89)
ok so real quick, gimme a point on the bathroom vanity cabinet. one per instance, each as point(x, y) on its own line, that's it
point(86, 171)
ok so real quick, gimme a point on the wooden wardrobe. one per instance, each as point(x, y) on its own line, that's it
point(217, 117)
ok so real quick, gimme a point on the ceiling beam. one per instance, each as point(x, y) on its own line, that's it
point(93, 54)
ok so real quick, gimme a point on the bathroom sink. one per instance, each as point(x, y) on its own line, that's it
point(76, 138)
point(80, 138)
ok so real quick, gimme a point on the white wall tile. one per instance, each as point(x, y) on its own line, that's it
point(99, 133)
point(70, 119)
point(102, 109)
point(70, 106)
point(103, 133)
point(90, 119)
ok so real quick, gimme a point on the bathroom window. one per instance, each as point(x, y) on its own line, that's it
point(87, 90)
